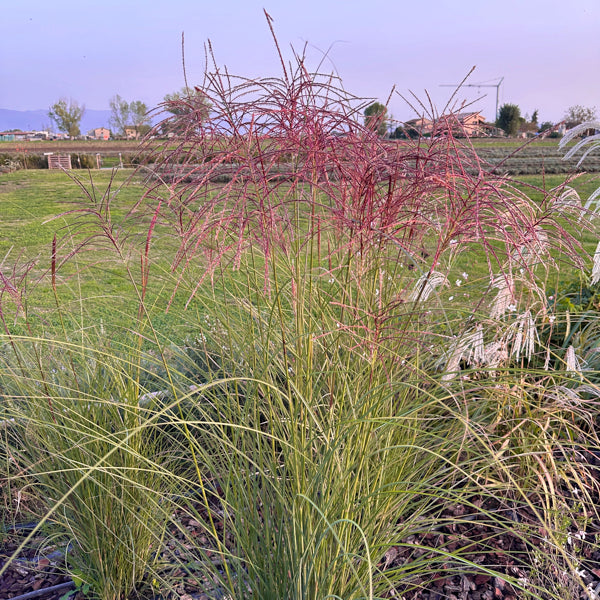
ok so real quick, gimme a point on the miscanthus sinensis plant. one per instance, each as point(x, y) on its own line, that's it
point(335, 398)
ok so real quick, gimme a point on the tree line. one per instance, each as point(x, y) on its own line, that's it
point(66, 114)
point(509, 120)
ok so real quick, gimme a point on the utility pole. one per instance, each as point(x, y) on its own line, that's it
point(479, 85)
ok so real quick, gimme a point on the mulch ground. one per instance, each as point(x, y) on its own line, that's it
point(479, 532)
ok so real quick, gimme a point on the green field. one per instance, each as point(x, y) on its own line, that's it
point(96, 286)
point(32, 202)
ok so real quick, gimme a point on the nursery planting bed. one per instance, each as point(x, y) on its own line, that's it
point(42, 574)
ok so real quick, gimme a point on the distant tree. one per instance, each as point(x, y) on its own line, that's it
point(140, 118)
point(534, 116)
point(545, 126)
point(398, 133)
point(577, 114)
point(185, 103)
point(132, 114)
point(119, 114)
point(412, 129)
point(509, 118)
point(529, 126)
point(67, 115)
point(376, 118)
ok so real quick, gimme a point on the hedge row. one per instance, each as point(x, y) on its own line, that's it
point(16, 161)
point(526, 161)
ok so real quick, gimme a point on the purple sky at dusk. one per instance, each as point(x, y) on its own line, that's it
point(548, 51)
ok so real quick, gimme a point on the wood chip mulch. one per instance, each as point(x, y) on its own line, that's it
point(495, 554)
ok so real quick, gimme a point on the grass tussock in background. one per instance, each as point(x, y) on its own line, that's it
point(344, 382)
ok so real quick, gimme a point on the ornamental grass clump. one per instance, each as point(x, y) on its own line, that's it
point(331, 251)
point(348, 398)
point(92, 458)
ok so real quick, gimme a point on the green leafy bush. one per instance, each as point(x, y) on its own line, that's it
point(83, 161)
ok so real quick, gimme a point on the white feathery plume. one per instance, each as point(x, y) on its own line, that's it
point(476, 351)
point(533, 249)
point(452, 367)
point(593, 141)
point(591, 200)
point(596, 266)
point(563, 396)
point(568, 201)
point(573, 362)
point(523, 335)
point(592, 390)
point(568, 198)
point(470, 348)
point(426, 285)
point(495, 354)
point(505, 297)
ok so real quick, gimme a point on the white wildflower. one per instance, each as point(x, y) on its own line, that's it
point(573, 362)
point(596, 266)
point(451, 298)
point(426, 285)
point(458, 282)
point(465, 275)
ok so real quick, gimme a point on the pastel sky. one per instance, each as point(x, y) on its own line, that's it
point(548, 51)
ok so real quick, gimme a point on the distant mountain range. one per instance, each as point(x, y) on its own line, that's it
point(38, 120)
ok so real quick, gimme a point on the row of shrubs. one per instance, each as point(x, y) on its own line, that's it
point(528, 161)
point(15, 161)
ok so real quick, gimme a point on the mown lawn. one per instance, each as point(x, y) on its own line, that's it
point(33, 201)
point(95, 287)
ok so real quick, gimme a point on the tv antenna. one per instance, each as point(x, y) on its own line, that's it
point(479, 85)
